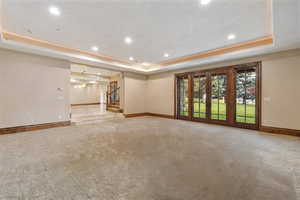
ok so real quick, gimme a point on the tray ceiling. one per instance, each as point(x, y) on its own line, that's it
point(141, 35)
point(176, 28)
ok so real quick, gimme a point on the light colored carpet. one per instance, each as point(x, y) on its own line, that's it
point(149, 159)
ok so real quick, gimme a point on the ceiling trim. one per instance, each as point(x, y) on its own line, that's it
point(267, 40)
point(45, 44)
point(263, 41)
point(88, 74)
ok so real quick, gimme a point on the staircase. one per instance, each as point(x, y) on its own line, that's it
point(113, 100)
point(114, 108)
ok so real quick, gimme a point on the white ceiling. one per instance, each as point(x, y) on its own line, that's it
point(176, 27)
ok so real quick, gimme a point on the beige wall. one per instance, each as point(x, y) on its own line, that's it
point(89, 94)
point(135, 90)
point(1, 15)
point(280, 89)
point(34, 89)
point(30, 91)
point(160, 94)
point(281, 93)
point(103, 90)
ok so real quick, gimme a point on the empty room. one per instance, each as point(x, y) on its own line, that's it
point(150, 99)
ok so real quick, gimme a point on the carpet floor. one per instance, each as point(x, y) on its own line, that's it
point(149, 158)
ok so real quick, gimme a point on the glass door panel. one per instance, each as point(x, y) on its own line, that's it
point(229, 95)
point(199, 97)
point(245, 111)
point(218, 97)
point(183, 94)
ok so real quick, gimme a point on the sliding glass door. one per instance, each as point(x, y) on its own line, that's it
point(224, 96)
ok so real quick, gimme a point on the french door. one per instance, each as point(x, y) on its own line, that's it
point(183, 99)
point(228, 96)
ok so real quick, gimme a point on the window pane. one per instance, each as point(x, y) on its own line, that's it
point(218, 97)
point(246, 97)
point(183, 97)
point(199, 97)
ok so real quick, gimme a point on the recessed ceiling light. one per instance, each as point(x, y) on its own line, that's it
point(166, 55)
point(128, 40)
point(204, 2)
point(231, 37)
point(54, 10)
point(94, 48)
point(131, 58)
point(98, 73)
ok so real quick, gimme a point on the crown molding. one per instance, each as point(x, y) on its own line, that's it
point(57, 47)
point(267, 40)
point(125, 65)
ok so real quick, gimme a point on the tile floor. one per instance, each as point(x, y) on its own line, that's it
point(89, 114)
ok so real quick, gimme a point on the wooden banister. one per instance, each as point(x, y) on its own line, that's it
point(112, 97)
point(113, 91)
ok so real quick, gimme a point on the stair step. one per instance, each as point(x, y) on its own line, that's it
point(113, 105)
point(118, 110)
point(91, 115)
point(95, 121)
point(96, 118)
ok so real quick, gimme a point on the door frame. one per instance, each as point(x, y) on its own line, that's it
point(200, 74)
point(177, 96)
point(230, 97)
point(257, 93)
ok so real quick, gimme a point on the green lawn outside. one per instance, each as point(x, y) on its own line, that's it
point(250, 117)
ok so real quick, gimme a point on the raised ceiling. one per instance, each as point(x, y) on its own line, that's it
point(176, 27)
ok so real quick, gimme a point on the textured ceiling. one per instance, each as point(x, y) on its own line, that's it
point(176, 27)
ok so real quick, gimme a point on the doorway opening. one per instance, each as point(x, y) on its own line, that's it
point(91, 92)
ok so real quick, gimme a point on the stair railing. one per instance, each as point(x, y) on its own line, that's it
point(113, 97)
